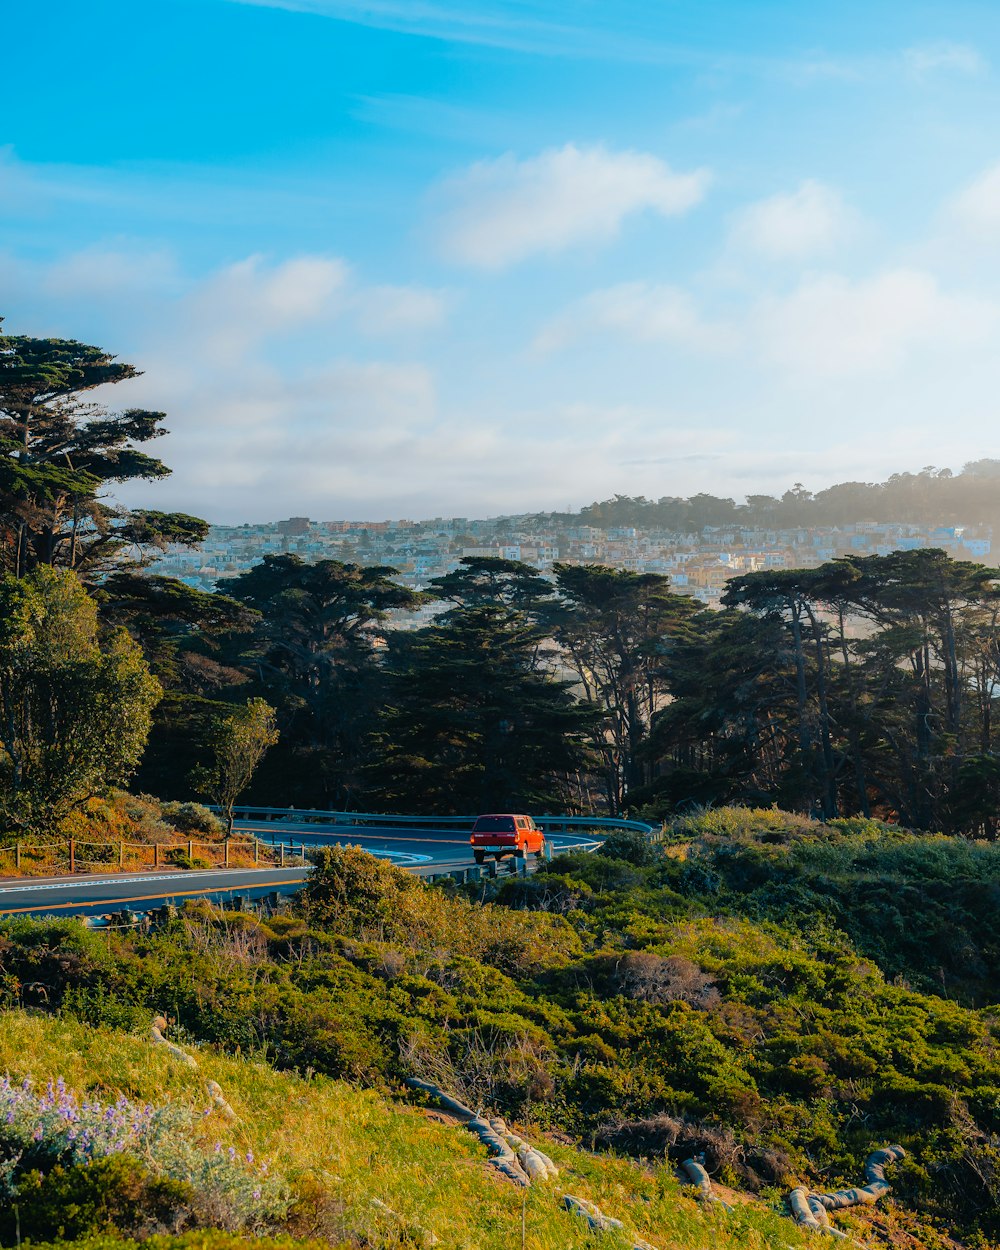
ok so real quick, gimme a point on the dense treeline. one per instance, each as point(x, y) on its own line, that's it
point(864, 686)
point(742, 991)
point(930, 497)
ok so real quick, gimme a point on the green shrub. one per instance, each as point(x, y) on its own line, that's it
point(113, 1193)
point(632, 846)
point(193, 818)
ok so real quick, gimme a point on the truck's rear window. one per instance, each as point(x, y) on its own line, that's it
point(494, 824)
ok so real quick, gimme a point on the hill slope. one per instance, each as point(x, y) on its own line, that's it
point(338, 1148)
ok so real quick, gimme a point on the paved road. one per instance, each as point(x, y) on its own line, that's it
point(95, 895)
point(139, 891)
point(404, 845)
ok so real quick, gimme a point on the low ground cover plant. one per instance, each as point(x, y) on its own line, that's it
point(72, 1165)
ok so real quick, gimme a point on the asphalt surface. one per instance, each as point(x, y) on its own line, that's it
point(143, 891)
point(138, 891)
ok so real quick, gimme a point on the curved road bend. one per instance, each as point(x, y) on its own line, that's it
point(95, 895)
point(423, 845)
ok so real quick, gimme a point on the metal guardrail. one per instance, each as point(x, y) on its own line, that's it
point(375, 819)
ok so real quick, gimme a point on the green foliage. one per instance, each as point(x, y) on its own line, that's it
point(475, 720)
point(931, 497)
point(193, 818)
point(70, 1166)
point(630, 845)
point(210, 1239)
point(769, 984)
point(60, 450)
point(311, 655)
point(74, 709)
point(784, 699)
point(922, 906)
point(113, 1193)
point(340, 1148)
point(352, 893)
point(239, 742)
point(613, 628)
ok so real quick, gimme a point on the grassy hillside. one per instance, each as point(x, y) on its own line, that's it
point(338, 1147)
point(762, 988)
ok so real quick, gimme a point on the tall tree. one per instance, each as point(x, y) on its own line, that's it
point(790, 595)
point(189, 638)
point(314, 654)
point(489, 580)
point(475, 721)
point(933, 609)
point(240, 740)
point(614, 628)
point(74, 711)
point(729, 728)
point(60, 449)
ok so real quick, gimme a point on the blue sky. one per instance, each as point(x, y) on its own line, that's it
point(382, 258)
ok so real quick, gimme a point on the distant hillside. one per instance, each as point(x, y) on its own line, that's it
point(930, 497)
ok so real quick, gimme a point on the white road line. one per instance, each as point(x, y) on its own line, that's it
point(75, 883)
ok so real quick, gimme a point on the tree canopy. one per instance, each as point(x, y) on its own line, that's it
point(74, 708)
point(61, 448)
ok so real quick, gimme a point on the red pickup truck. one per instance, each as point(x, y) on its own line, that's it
point(506, 834)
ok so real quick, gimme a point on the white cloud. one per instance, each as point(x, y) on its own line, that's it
point(400, 309)
point(827, 327)
point(262, 368)
point(105, 272)
point(502, 211)
point(831, 327)
point(644, 312)
point(976, 208)
point(812, 219)
point(928, 58)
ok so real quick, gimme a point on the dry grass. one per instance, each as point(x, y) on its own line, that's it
point(345, 1147)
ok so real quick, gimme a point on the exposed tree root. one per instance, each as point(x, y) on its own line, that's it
point(694, 1170)
point(599, 1222)
point(212, 1088)
point(156, 1036)
point(219, 1100)
point(512, 1156)
point(811, 1210)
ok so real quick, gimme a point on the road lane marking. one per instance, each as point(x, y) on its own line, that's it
point(81, 883)
point(145, 898)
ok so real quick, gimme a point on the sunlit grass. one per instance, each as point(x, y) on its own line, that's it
point(356, 1146)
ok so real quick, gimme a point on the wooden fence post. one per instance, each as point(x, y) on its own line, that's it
point(256, 851)
point(17, 856)
point(282, 861)
point(190, 848)
point(72, 855)
point(226, 861)
point(121, 854)
point(156, 854)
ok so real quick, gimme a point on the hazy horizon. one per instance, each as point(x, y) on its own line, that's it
point(390, 259)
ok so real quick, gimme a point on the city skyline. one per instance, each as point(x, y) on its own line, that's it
point(401, 259)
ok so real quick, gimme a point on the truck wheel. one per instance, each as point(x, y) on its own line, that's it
point(479, 856)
